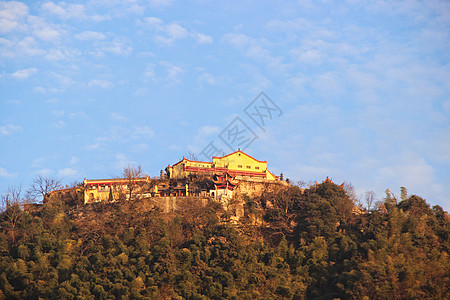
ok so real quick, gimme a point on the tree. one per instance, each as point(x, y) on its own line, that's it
point(10, 204)
point(370, 199)
point(390, 201)
point(403, 193)
point(350, 191)
point(132, 174)
point(42, 186)
point(192, 156)
point(11, 197)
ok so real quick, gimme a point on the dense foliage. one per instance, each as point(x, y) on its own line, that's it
point(290, 245)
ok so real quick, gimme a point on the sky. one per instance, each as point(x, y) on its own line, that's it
point(355, 90)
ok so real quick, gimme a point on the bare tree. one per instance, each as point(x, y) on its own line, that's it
point(192, 156)
point(370, 200)
point(11, 197)
point(132, 174)
point(43, 185)
point(10, 203)
point(351, 193)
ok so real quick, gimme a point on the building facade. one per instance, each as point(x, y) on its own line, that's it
point(97, 190)
point(238, 164)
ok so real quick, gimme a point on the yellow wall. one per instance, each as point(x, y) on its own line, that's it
point(270, 176)
point(177, 171)
point(240, 161)
point(237, 161)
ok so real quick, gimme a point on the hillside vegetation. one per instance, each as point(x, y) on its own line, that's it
point(290, 245)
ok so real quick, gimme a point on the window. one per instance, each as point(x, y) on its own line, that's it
point(257, 168)
point(249, 167)
point(239, 166)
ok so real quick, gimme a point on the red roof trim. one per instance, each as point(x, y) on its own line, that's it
point(114, 181)
point(273, 174)
point(198, 161)
point(220, 157)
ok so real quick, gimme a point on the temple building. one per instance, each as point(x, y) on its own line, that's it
point(224, 185)
point(220, 179)
point(97, 190)
point(238, 164)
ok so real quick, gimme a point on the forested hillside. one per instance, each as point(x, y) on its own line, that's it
point(290, 245)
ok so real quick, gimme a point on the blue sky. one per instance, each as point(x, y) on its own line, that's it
point(362, 86)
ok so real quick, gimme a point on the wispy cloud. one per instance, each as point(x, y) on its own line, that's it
point(118, 46)
point(67, 172)
point(9, 129)
point(104, 84)
point(118, 117)
point(59, 124)
point(24, 73)
point(256, 49)
point(11, 15)
point(168, 34)
point(68, 11)
point(6, 174)
point(90, 36)
point(65, 10)
point(143, 132)
point(122, 161)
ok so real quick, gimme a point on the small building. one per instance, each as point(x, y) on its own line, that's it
point(238, 164)
point(98, 190)
point(224, 185)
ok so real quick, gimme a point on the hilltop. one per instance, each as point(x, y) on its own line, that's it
point(288, 244)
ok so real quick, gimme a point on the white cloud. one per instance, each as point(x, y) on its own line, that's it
point(67, 172)
point(9, 129)
point(44, 172)
point(140, 148)
point(80, 115)
point(5, 173)
point(118, 117)
point(167, 34)
point(27, 47)
point(63, 80)
point(44, 30)
point(173, 32)
point(143, 132)
point(58, 113)
point(64, 10)
point(74, 160)
point(203, 137)
point(24, 73)
point(11, 15)
point(39, 89)
point(90, 36)
point(206, 131)
point(206, 78)
point(92, 147)
point(256, 49)
point(13, 101)
point(149, 71)
point(118, 46)
point(160, 2)
point(59, 124)
point(203, 38)
point(68, 11)
point(122, 161)
point(173, 73)
point(61, 54)
point(153, 22)
point(104, 84)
